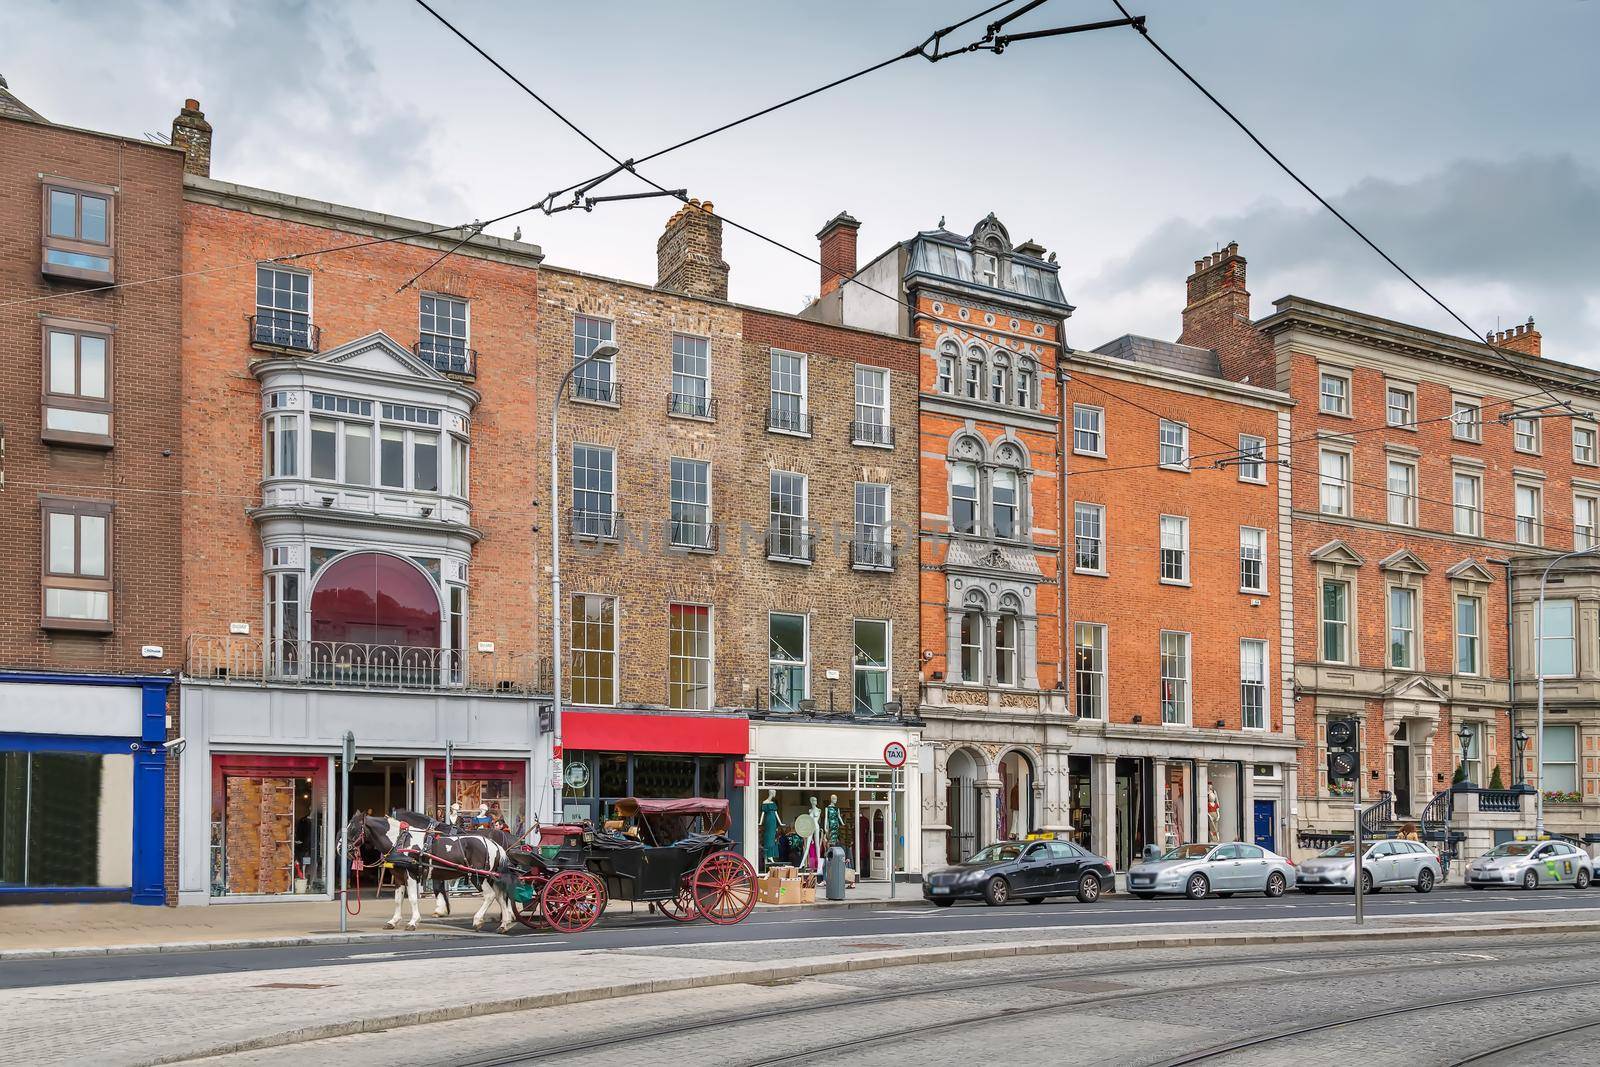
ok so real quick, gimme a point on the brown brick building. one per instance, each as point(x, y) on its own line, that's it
point(90, 455)
point(737, 501)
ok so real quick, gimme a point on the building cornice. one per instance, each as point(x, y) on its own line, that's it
point(365, 520)
point(1176, 380)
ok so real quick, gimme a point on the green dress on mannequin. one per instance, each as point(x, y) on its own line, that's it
point(769, 827)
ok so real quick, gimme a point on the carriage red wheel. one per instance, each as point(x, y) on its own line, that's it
point(681, 908)
point(572, 901)
point(725, 888)
point(528, 913)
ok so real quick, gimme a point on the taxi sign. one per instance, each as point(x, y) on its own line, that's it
point(894, 754)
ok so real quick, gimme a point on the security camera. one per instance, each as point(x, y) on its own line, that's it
point(176, 745)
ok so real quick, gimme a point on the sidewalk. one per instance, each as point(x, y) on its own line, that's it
point(28, 930)
point(136, 1021)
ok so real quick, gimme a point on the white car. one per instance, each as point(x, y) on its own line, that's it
point(1196, 871)
point(1392, 863)
point(1531, 864)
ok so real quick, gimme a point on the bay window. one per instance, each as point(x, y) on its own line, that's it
point(77, 383)
point(76, 584)
point(1556, 654)
point(79, 240)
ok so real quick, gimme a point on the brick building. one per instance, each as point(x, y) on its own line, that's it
point(986, 315)
point(358, 466)
point(1181, 726)
point(737, 499)
point(1425, 468)
point(89, 475)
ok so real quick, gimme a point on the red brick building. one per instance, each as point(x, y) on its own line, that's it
point(90, 455)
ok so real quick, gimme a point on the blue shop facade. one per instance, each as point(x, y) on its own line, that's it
point(83, 781)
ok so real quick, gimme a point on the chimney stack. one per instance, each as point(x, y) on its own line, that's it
point(689, 253)
point(192, 133)
point(838, 254)
point(1217, 316)
point(1525, 339)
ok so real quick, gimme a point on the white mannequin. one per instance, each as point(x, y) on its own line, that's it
point(1213, 811)
point(816, 837)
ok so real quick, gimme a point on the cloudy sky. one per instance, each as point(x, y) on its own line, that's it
point(1464, 136)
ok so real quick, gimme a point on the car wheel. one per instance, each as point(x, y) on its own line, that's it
point(1198, 888)
point(1530, 880)
point(1425, 881)
point(1366, 882)
point(1034, 900)
point(1276, 884)
point(1583, 878)
point(997, 892)
point(1145, 896)
point(1089, 889)
point(943, 903)
point(1308, 891)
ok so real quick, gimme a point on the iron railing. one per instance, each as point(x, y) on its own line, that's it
point(1376, 817)
point(257, 661)
point(693, 535)
point(447, 355)
point(285, 330)
point(599, 390)
point(791, 545)
point(691, 404)
point(871, 555)
point(871, 433)
point(791, 421)
point(595, 525)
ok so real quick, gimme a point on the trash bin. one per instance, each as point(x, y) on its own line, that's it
point(835, 873)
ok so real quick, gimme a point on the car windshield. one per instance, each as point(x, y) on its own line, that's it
point(1512, 848)
point(1188, 852)
point(1000, 853)
point(1342, 851)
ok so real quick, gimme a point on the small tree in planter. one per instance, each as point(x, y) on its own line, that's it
point(1495, 780)
point(1460, 777)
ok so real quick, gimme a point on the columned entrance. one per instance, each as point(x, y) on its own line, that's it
point(961, 802)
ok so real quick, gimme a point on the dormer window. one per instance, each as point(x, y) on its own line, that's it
point(988, 269)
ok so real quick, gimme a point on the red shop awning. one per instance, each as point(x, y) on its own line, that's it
point(618, 731)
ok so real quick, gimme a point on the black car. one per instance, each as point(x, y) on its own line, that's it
point(1032, 870)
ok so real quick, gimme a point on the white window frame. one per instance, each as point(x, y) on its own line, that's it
point(788, 530)
point(1475, 637)
point(858, 667)
point(1408, 408)
point(1253, 459)
point(1182, 527)
point(774, 355)
point(1099, 430)
point(1183, 691)
point(1337, 483)
point(1083, 510)
point(1182, 444)
point(1247, 534)
point(1466, 419)
point(1262, 684)
point(1095, 674)
point(596, 381)
point(1472, 514)
point(1587, 454)
point(871, 548)
point(1411, 629)
point(1341, 399)
point(1346, 625)
point(293, 327)
point(592, 522)
point(691, 390)
point(878, 433)
point(674, 501)
point(1407, 498)
point(1529, 523)
point(443, 344)
point(1585, 534)
point(1527, 435)
point(573, 647)
point(804, 663)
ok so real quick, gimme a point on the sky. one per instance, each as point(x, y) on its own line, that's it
point(1463, 136)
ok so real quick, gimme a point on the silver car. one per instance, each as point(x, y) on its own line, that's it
point(1197, 871)
point(1388, 864)
point(1531, 864)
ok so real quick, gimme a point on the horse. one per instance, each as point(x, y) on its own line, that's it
point(435, 855)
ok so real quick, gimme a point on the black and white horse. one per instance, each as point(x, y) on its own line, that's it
point(423, 854)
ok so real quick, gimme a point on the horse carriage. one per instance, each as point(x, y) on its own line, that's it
point(680, 861)
point(677, 857)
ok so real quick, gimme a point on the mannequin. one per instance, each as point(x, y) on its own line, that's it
point(769, 828)
point(1213, 811)
point(813, 851)
point(832, 822)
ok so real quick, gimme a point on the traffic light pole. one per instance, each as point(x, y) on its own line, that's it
point(1361, 916)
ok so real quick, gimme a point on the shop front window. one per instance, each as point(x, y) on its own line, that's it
point(1080, 798)
point(66, 819)
point(268, 824)
point(1016, 797)
point(495, 788)
point(1222, 802)
point(1178, 799)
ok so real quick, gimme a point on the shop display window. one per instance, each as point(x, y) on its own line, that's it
point(66, 819)
point(499, 785)
point(269, 825)
point(1223, 790)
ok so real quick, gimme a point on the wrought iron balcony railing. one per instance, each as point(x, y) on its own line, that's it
point(447, 355)
point(598, 390)
point(694, 535)
point(595, 525)
point(871, 555)
point(789, 421)
point(791, 544)
point(363, 666)
point(691, 404)
point(284, 330)
point(871, 433)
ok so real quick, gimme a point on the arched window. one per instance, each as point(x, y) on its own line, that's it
point(973, 379)
point(368, 598)
point(999, 380)
point(948, 354)
point(972, 639)
point(1025, 384)
point(1004, 492)
point(964, 498)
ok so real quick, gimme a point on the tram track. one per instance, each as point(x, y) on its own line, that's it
point(568, 1049)
point(1493, 1055)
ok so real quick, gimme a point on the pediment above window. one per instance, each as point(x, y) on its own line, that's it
point(381, 354)
point(1416, 688)
point(1337, 553)
point(1470, 570)
point(1403, 562)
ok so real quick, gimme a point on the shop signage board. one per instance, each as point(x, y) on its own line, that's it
point(894, 754)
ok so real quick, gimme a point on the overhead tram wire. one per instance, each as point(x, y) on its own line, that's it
point(1144, 32)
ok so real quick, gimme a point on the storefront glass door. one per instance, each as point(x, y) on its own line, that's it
point(1132, 816)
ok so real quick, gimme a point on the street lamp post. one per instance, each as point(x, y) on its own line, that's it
point(605, 350)
point(1465, 734)
point(1538, 666)
point(1519, 741)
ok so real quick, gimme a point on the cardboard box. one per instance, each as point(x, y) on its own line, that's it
point(780, 890)
point(806, 895)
